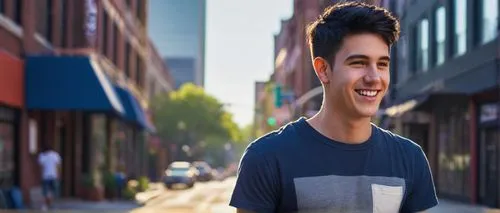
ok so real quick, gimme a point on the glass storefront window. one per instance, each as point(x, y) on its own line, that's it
point(453, 153)
point(98, 142)
point(7, 161)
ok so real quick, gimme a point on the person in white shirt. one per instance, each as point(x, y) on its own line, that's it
point(49, 161)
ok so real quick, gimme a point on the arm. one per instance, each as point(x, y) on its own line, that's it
point(257, 184)
point(423, 193)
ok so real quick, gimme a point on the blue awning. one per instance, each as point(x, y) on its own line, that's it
point(69, 83)
point(133, 110)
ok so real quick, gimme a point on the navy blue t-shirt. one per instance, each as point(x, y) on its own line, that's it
point(297, 169)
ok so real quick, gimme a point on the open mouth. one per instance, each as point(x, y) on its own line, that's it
point(367, 93)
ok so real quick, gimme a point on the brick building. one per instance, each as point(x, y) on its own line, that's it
point(76, 75)
point(445, 92)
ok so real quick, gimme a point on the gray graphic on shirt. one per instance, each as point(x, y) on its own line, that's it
point(353, 194)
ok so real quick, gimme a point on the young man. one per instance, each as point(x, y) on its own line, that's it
point(49, 161)
point(338, 161)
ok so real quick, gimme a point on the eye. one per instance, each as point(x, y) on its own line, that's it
point(383, 64)
point(358, 63)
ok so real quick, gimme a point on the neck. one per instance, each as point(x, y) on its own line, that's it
point(340, 126)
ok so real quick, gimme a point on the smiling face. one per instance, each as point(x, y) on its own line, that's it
point(360, 75)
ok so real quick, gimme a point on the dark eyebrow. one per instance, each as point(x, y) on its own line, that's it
point(364, 57)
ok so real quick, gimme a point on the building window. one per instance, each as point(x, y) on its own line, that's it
point(460, 8)
point(7, 152)
point(2, 6)
point(440, 35)
point(7, 147)
point(423, 42)
point(127, 60)
point(453, 169)
point(104, 46)
point(64, 13)
point(138, 73)
point(115, 43)
point(18, 6)
point(490, 20)
point(44, 18)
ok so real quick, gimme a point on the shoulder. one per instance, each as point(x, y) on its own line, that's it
point(402, 143)
point(274, 141)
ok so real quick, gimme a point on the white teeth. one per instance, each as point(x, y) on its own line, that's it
point(369, 93)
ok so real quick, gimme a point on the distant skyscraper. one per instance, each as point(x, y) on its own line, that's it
point(177, 27)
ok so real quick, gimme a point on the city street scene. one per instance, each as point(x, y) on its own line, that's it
point(149, 105)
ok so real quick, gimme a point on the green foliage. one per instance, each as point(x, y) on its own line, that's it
point(189, 116)
point(129, 193)
point(143, 183)
point(109, 181)
point(87, 181)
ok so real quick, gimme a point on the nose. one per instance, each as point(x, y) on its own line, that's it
point(372, 74)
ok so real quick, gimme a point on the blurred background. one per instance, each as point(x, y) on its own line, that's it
point(151, 103)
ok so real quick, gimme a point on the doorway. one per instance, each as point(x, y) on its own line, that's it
point(489, 167)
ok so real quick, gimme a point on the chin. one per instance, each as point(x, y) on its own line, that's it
point(367, 112)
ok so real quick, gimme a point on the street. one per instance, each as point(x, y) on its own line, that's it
point(206, 197)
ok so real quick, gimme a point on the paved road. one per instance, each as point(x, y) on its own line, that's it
point(210, 197)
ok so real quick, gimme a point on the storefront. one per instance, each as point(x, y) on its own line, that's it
point(489, 153)
point(11, 100)
point(453, 174)
point(74, 103)
point(9, 146)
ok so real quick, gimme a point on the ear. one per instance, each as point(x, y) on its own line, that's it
point(321, 67)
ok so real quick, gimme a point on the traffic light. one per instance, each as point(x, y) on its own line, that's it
point(271, 121)
point(277, 96)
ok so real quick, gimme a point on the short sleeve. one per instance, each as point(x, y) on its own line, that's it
point(40, 159)
point(423, 193)
point(58, 158)
point(257, 183)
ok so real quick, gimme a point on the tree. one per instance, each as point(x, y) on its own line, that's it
point(189, 116)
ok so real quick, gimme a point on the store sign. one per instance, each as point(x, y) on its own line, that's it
point(489, 112)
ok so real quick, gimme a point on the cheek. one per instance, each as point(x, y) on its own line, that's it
point(386, 78)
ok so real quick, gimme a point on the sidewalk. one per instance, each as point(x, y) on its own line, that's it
point(107, 206)
point(447, 206)
point(155, 190)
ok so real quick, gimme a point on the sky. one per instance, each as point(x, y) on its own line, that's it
point(240, 50)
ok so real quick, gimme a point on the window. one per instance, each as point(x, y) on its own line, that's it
point(7, 148)
point(2, 7)
point(127, 61)
point(138, 67)
point(490, 20)
point(7, 158)
point(453, 169)
point(115, 43)
point(18, 5)
point(104, 45)
point(48, 20)
point(440, 35)
point(44, 18)
point(460, 8)
point(64, 13)
point(423, 41)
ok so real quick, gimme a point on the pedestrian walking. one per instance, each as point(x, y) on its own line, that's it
point(50, 162)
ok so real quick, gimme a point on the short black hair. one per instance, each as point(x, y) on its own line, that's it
point(326, 34)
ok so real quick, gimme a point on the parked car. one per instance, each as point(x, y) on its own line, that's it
point(204, 171)
point(180, 172)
